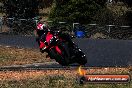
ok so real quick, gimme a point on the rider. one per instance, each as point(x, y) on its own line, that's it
point(40, 31)
point(43, 29)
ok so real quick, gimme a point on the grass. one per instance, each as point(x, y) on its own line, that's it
point(56, 81)
point(19, 56)
point(53, 79)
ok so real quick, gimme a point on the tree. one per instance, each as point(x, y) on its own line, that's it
point(129, 17)
point(101, 2)
point(75, 11)
point(21, 8)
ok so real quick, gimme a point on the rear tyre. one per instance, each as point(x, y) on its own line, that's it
point(81, 58)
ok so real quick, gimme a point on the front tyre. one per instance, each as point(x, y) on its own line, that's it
point(64, 57)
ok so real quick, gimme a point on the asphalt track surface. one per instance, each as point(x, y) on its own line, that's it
point(99, 52)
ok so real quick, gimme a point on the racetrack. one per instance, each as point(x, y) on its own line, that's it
point(99, 52)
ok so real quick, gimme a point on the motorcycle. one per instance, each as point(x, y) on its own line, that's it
point(61, 48)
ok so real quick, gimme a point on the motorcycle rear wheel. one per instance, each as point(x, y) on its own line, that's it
point(81, 58)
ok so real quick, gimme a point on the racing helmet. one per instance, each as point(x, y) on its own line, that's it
point(42, 27)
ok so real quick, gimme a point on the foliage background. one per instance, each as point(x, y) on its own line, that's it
point(83, 11)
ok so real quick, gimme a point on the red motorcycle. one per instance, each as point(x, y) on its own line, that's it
point(61, 48)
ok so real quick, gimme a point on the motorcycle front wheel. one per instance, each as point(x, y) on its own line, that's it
point(64, 57)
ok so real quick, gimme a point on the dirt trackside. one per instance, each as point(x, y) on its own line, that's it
point(19, 56)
